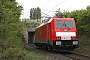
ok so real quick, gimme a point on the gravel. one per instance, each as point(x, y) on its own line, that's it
point(52, 55)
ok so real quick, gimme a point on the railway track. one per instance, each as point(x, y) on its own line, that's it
point(71, 55)
point(77, 56)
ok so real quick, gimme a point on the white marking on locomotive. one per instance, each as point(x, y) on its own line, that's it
point(58, 34)
point(65, 35)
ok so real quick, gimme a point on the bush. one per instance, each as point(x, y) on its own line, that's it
point(84, 43)
point(17, 54)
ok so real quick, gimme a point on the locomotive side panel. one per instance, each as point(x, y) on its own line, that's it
point(43, 34)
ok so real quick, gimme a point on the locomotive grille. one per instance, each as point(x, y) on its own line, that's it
point(65, 42)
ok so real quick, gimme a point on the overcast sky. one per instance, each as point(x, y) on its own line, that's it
point(52, 5)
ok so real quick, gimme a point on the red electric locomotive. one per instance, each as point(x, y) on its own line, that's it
point(57, 33)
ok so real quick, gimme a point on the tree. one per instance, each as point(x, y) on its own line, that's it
point(11, 30)
point(35, 13)
point(10, 26)
point(38, 13)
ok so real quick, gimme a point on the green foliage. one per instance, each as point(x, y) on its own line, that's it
point(11, 30)
point(35, 13)
point(84, 43)
point(30, 23)
point(17, 54)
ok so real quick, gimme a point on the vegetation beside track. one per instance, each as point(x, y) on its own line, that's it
point(84, 43)
point(11, 30)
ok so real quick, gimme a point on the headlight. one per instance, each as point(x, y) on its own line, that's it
point(75, 42)
point(58, 42)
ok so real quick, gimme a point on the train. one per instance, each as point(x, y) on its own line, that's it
point(57, 33)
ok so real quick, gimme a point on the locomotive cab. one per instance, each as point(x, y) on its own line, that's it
point(66, 36)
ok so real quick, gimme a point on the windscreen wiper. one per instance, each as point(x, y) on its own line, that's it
point(67, 26)
point(63, 25)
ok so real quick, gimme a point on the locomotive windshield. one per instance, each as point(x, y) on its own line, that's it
point(64, 24)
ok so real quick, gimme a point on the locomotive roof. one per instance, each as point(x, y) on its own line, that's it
point(67, 19)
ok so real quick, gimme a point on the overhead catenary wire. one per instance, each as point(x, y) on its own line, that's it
point(44, 6)
point(51, 9)
point(56, 6)
point(46, 3)
point(46, 14)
